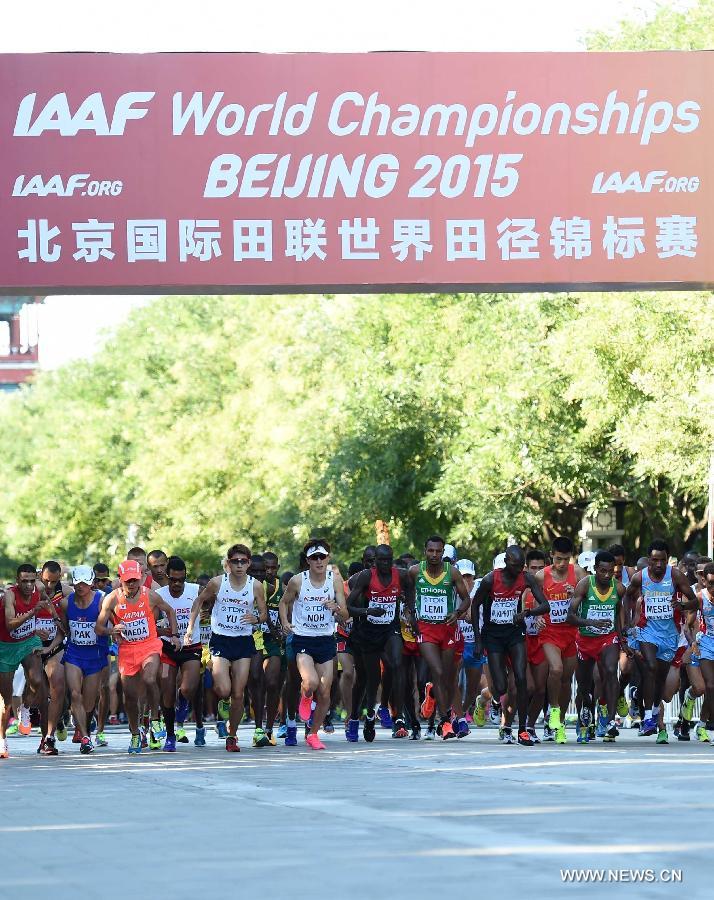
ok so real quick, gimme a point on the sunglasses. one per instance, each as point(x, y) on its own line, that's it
point(318, 556)
point(239, 561)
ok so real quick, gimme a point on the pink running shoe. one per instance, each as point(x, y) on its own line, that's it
point(305, 707)
point(314, 742)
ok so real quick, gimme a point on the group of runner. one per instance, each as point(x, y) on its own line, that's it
point(437, 645)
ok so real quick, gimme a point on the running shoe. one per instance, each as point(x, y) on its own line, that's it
point(554, 718)
point(582, 735)
point(12, 728)
point(662, 736)
point(416, 733)
point(507, 736)
point(61, 731)
point(635, 722)
point(462, 728)
point(158, 728)
point(232, 745)
point(142, 734)
point(683, 733)
point(47, 747)
point(688, 707)
point(135, 744)
point(601, 723)
point(4, 754)
point(86, 746)
point(305, 707)
point(327, 726)
point(101, 739)
point(260, 738)
point(494, 715)
point(221, 729)
point(591, 731)
point(77, 736)
point(649, 727)
point(113, 720)
point(282, 731)
point(182, 709)
point(400, 729)
point(25, 726)
point(702, 735)
point(170, 745)
point(548, 733)
point(479, 714)
point(154, 739)
point(181, 736)
point(314, 742)
point(291, 735)
point(677, 727)
point(200, 737)
point(428, 707)
point(430, 734)
point(561, 736)
point(385, 717)
point(123, 720)
point(369, 732)
point(447, 731)
point(612, 731)
point(224, 709)
point(622, 706)
point(271, 739)
point(534, 736)
point(525, 739)
point(469, 718)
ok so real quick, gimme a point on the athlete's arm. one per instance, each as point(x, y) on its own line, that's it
point(157, 602)
point(60, 617)
point(338, 607)
point(579, 594)
point(104, 624)
point(483, 592)
point(620, 619)
point(259, 599)
point(285, 610)
point(462, 591)
point(205, 596)
point(12, 618)
point(684, 587)
point(359, 593)
point(410, 598)
point(543, 606)
point(633, 592)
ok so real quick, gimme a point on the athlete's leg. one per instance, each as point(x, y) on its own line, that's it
point(671, 687)
point(103, 711)
point(392, 659)
point(649, 671)
point(321, 692)
point(54, 670)
point(432, 655)
point(169, 674)
point(539, 677)
point(707, 667)
point(347, 679)
point(566, 684)
point(150, 669)
point(584, 679)
point(131, 687)
point(273, 669)
point(256, 687)
point(75, 678)
point(555, 673)
point(517, 653)
point(359, 685)
point(5, 701)
point(607, 664)
point(239, 675)
point(37, 685)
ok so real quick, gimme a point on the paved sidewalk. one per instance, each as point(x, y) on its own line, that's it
point(392, 819)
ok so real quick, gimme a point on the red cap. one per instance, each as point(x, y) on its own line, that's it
point(129, 569)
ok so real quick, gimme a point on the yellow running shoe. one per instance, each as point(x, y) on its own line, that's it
point(622, 706)
point(561, 736)
point(479, 714)
point(702, 734)
point(554, 718)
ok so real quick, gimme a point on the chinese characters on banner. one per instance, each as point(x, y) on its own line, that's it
point(255, 172)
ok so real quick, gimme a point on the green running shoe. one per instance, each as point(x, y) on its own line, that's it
point(101, 739)
point(688, 707)
point(702, 734)
point(135, 744)
point(181, 736)
point(224, 709)
point(622, 706)
point(662, 736)
point(260, 738)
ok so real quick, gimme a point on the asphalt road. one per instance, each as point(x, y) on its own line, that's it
point(395, 819)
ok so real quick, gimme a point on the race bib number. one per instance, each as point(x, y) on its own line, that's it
point(531, 628)
point(82, 634)
point(315, 615)
point(205, 633)
point(467, 630)
point(433, 609)
point(658, 607)
point(559, 611)
point(389, 607)
point(182, 618)
point(24, 631)
point(503, 611)
point(48, 626)
point(136, 630)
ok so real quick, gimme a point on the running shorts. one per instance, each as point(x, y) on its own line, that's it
point(271, 647)
point(232, 648)
point(410, 648)
point(706, 648)
point(500, 638)
point(133, 655)
point(322, 649)
point(664, 635)
point(342, 645)
point(372, 641)
point(90, 664)
point(561, 636)
point(677, 661)
point(48, 656)
point(469, 660)
point(534, 649)
point(177, 658)
point(12, 653)
point(592, 647)
point(446, 637)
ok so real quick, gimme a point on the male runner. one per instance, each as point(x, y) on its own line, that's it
point(237, 604)
point(472, 665)
point(256, 679)
point(503, 633)
point(52, 648)
point(596, 610)
point(431, 587)
point(86, 652)
point(128, 614)
point(20, 646)
point(705, 641)
point(158, 562)
point(102, 579)
point(537, 670)
point(308, 608)
point(274, 661)
point(374, 604)
point(186, 661)
point(656, 587)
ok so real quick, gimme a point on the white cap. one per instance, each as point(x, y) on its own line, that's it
point(466, 567)
point(83, 575)
point(500, 561)
point(586, 561)
point(317, 551)
point(449, 553)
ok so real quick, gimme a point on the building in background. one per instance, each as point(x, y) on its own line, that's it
point(19, 340)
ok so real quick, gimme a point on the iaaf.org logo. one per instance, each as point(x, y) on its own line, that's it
point(82, 184)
